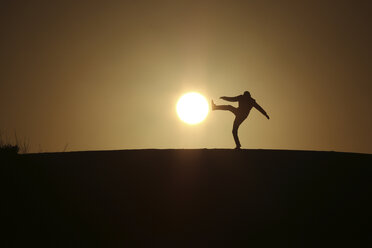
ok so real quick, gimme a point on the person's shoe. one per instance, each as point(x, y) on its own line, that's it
point(237, 148)
point(213, 105)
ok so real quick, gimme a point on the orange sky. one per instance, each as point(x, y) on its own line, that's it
point(107, 75)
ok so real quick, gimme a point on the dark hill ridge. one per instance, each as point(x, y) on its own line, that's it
point(187, 198)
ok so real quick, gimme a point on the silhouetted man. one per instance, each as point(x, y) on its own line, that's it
point(246, 103)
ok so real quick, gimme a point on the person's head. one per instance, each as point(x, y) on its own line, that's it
point(246, 93)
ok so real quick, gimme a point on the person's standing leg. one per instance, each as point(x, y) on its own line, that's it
point(238, 120)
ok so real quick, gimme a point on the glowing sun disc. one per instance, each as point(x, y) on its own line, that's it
point(192, 108)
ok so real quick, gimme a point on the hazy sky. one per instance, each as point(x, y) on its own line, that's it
point(107, 75)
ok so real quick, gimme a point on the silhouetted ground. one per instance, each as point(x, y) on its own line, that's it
point(187, 198)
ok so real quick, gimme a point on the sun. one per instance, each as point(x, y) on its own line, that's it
point(192, 108)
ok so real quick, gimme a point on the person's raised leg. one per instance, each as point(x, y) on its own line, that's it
point(223, 107)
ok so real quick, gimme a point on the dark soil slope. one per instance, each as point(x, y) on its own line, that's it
point(187, 198)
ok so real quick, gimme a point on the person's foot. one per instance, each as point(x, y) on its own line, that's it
point(213, 105)
point(237, 148)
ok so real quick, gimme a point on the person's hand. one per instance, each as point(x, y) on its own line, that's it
point(222, 97)
point(267, 116)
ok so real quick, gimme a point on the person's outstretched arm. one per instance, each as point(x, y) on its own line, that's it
point(230, 99)
point(259, 108)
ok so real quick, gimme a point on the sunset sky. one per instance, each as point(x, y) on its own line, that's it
point(98, 75)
